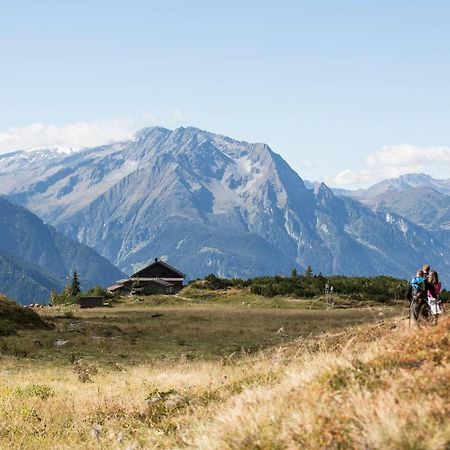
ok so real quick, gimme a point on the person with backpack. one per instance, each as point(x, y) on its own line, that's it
point(418, 291)
point(416, 287)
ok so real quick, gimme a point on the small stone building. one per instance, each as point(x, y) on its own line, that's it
point(90, 302)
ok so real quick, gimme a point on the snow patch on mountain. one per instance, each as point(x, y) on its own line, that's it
point(323, 227)
point(211, 250)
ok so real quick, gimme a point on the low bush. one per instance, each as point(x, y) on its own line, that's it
point(41, 391)
point(212, 282)
point(66, 298)
point(380, 289)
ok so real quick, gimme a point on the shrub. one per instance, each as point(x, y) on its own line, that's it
point(35, 390)
point(445, 295)
point(215, 283)
point(379, 289)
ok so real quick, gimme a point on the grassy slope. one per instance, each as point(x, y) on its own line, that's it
point(379, 385)
point(393, 393)
point(14, 317)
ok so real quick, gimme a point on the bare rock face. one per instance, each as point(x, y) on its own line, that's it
point(418, 198)
point(211, 204)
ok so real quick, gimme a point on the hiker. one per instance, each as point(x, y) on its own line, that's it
point(426, 270)
point(416, 287)
point(434, 300)
point(419, 290)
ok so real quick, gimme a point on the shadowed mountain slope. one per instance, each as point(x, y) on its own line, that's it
point(35, 257)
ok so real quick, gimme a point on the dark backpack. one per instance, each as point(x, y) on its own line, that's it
point(416, 292)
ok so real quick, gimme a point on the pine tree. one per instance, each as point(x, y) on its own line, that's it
point(53, 297)
point(294, 273)
point(309, 272)
point(75, 286)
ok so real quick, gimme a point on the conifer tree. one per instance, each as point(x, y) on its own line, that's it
point(309, 271)
point(53, 296)
point(75, 286)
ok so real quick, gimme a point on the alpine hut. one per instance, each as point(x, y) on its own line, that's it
point(156, 278)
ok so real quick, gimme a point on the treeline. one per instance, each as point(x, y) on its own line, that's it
point(72, 293)
point(309, 285)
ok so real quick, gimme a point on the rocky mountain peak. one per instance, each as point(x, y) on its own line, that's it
point(323, 193)
point(208, 203)
point(150, 132)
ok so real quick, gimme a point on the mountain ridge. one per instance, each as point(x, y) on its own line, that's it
point(398, 184)
point(209, 203)
point(44, 257)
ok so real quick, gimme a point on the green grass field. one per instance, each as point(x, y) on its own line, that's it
point(224, 371)
point(167, 328)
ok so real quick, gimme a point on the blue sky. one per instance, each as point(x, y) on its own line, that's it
point(346, 91)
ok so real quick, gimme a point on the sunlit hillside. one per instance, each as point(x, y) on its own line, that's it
point(105, 379)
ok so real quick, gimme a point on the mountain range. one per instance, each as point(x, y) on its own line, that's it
point(207, 203)
point(399, 184)
point(419, 198)
point(34, 257)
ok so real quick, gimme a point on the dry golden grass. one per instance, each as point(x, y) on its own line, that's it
point(390, 394)
point(376, 386)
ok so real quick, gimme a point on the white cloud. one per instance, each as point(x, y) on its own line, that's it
point(306, 164)
point(404, 155)
point(392, 161)
point(177, 115)
point(72, 135)
point(150, 118)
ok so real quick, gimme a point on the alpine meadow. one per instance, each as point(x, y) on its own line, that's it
point(224, 225)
